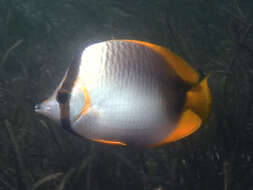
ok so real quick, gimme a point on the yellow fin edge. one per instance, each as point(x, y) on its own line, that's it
point(109, 142)
point(181, 67)
point(189, 122)
point(197, 110)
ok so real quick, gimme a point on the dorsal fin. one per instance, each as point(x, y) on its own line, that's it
point(181, 67)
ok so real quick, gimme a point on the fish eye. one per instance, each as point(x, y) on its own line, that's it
point(62, 97)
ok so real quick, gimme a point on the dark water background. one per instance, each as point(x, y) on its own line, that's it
point(37, 41)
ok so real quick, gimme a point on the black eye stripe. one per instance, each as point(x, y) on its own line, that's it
point(62, 97)
point(64, 93)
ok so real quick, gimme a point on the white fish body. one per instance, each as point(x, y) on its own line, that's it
point(125, 93)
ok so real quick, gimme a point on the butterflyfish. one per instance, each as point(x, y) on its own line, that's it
point(128, 92)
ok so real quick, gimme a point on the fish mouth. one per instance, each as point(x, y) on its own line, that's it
point(49, 108)
point(42, 108)
point(37, 107)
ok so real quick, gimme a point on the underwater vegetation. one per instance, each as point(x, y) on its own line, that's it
point(38, 40)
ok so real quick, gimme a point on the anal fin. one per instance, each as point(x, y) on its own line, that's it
point(109, 142)
point(188, 123)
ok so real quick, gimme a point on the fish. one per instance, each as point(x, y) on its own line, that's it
point(129, 92)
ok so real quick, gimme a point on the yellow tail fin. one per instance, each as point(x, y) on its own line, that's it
point(196, 112)
point(199, 99)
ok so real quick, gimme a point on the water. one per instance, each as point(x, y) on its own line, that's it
point(38, 40)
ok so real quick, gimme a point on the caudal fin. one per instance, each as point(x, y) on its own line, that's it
point(199, 99)
point(196, 112)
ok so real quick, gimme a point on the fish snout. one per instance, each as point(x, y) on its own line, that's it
point(42, 108)
point(37, 107)
point(48, 108)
